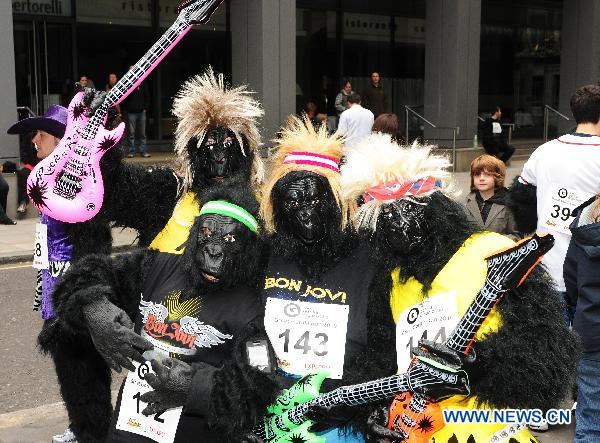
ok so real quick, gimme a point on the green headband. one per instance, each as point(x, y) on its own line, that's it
point(227, 209)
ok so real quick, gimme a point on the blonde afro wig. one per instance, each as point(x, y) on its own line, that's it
point(205, 101)
point(377, 160)
point(300, 136)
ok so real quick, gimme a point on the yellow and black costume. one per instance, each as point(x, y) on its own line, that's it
point(432, 265)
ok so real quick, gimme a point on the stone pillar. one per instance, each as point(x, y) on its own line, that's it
point(263, 41)
point(580, 51)
point(452, 37)
point(9, 144)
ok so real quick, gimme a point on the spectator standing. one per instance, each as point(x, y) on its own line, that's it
point(4, 188)
point(86, 82)
point(341, 101)
point(374, 96)
point(486, 203)
point(388, 124)
point(355, 122)
point(559, 176)
point(582, 281)
point(311, 112)
point(135, 105)
point(493, 139)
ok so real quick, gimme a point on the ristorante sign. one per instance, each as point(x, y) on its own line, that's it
point(42, 7)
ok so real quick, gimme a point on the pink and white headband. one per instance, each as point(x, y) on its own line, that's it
point(312, 159)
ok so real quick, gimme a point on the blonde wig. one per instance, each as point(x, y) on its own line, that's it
point(205, 101)
point(299, 137)
point(377, 160)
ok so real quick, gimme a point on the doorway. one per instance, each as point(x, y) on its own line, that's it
point(43, 63)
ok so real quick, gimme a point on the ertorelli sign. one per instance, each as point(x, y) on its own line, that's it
point(42, 7)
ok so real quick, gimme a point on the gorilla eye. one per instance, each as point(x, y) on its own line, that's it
point(229, 238)
point(408, 206)
point(206, 232)
point(314, 201)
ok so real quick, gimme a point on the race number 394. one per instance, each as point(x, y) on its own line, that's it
point(560, 207)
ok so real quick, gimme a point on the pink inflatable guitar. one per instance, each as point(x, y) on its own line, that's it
point(68, 185)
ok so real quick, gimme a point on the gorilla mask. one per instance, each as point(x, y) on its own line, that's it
point(221, 240)
point(402, 223)
point(217, 157)
point(303, 207)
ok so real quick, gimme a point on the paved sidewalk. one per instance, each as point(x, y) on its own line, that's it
point(16, 242)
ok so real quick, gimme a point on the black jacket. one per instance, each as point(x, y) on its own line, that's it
point(582, 279)
point(137, 100)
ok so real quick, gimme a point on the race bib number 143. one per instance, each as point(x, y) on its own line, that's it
point(307, 337)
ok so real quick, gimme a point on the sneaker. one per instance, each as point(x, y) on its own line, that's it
point(66, 437)
point(7, 221)
point(22, 208)
point(145, 155)
point(539, 427)
point(130, 155)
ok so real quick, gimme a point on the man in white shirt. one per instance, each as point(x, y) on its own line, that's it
point(356, 122)
point(566, 173)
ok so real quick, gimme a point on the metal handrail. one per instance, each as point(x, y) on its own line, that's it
point(408, 109)
point(26, 108)
point(546, 113)
point(511, 128)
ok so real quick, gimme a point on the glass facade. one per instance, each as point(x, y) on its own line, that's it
point(96, 38)
point(520, 61)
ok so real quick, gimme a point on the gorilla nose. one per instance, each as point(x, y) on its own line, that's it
point(214, 251)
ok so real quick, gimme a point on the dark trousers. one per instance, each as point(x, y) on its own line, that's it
point(3, 194)
point(22, 175)
point(498, 147)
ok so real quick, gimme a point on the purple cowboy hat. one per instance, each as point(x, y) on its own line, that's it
point(54, 122)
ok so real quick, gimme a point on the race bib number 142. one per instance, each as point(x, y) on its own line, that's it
point(158, 427)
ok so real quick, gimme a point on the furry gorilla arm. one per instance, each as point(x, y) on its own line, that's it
point(233, 398)
point(531, 362)
point(522, 201)
point(118, 279)
point(142, 198)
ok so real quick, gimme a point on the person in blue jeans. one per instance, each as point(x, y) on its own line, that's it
point(135, 105)
point(582, 280)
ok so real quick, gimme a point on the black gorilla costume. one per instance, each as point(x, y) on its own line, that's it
point(209, 291)
point(216, 140)
point(318, 264)
point(427, 249)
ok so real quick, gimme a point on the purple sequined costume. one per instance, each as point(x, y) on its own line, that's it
point(60, 250)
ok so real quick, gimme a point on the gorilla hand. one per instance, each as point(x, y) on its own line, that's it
point(376, 427)
point(111, 330)
point(329, 417)
point(436, 372)
point(171, 385)
point(93, 99)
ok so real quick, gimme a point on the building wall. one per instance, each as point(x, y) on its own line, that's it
point(9, 144)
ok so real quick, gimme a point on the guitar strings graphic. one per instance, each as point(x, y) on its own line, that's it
point(464, 333)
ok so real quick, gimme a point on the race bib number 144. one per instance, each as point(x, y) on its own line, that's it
point(433, 319)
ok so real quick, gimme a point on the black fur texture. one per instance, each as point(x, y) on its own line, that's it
point(317, 258)
point(241, 393)
point(522, 201)
point(120, 280)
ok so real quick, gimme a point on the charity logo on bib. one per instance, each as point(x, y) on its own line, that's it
point(307, 337)
point(433, 319)
point(559, 206)
point(157, 427)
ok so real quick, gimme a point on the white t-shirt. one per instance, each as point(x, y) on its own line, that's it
point(356, 122)
point(566, 172)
